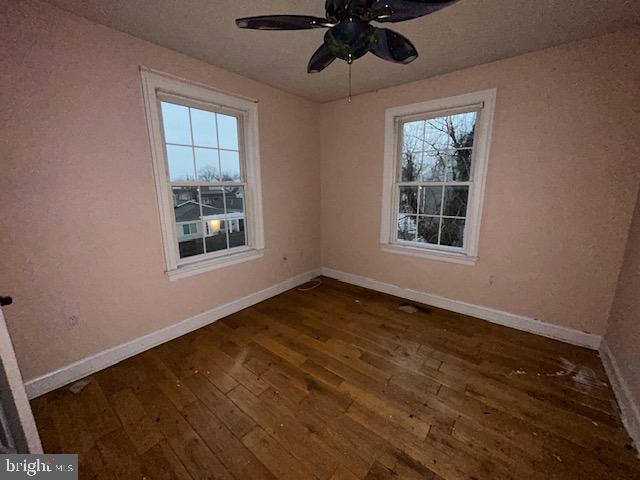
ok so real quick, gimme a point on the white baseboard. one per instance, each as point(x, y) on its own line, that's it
point(629, 409)
point(519, 322)
point(86, 366)
point(77, 370)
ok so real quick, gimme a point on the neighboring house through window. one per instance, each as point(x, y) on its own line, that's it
point(435, 166)
point(205, 151)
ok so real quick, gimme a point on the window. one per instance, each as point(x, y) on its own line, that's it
point(205, 153)
point(435, 165)
point(189, 229)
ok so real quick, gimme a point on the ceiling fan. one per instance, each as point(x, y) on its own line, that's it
point(350, 34)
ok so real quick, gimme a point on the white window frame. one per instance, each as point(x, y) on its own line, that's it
point(189, 93)
point(484, 102)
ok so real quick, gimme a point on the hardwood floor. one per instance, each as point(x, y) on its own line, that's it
point(338, 383)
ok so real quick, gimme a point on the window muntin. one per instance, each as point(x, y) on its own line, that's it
point(434, 179)
point(206, 178)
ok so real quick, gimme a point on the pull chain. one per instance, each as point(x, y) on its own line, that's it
point(350, 61)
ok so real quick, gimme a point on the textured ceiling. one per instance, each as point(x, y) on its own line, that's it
point(468, 33)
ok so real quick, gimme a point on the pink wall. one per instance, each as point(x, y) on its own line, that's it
point(623, 334)
point(80, 227)
point(562, 180)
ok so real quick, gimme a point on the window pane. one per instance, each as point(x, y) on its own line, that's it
point(428, 229)
point(430, 200)
point(455, 201)
point(410, 167)
point(204, 128)
point(216, 235)
point(462, 128)
point(459, 166)
point(412, 137)
point(176, 123)
point(237, 234)
point(408, 199)
point(212, 201)
point(436, 133)
point(207, 165)
point(407, 227)
point(423, 166)
point(180, 161)
point(187, 210)
point(234, 198)
point(230, 165)
point(183, 195)
point(452, 232)
point(228, 131)
point(213, 218)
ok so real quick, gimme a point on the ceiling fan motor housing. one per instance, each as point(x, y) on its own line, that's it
point(350, 39)
point(338, 10)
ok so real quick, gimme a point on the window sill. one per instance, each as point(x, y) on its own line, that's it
point(443, 256)
point(207, 265)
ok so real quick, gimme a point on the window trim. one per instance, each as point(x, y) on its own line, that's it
point(394, 117)
point(156, 84)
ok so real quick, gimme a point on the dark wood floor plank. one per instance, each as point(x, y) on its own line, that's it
point(92, 405)
point(118, 455)
point(343, 474)
point(140, 428)
point(280, 374)
point(380, 472)
point(189, 447)
point(282, 464)
point(223, 408)
point(49, 435)
point(445, 463)
point(163, 378)
point(276, 348)
point(236, 369)
point(404, 419)
point(543, 445)
point(317, 417)
point(161, 462)
point(286, 428)
point(318, 371)
point(73, 434)
point(536, 390)
point(231, 452)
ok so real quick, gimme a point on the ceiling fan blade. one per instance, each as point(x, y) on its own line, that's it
point(393, 47)
point(320, 60)
point(400, 10)
point(283, 22)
